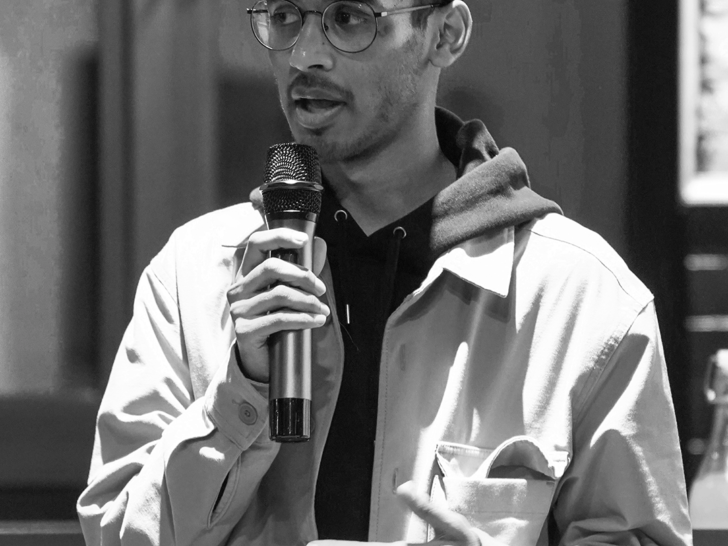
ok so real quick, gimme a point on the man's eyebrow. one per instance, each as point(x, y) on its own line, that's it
point(373, 3)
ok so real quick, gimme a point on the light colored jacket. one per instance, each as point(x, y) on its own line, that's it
point(523, 384)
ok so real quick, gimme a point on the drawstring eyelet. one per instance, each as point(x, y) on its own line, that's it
point(400, 232)
point(344, 215)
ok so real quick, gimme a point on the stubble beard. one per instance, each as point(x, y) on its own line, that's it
point(397, 104)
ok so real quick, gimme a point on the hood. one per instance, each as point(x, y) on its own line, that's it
point(492, 190)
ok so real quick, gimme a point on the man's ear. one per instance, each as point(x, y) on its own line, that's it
point(453, 27)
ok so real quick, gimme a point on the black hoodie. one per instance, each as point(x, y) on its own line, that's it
point(372, 276)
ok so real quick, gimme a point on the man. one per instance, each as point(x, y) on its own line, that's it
point(484, 370)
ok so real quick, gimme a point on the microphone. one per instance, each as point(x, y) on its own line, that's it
point(292, 195)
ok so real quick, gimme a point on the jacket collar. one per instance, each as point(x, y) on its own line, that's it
point(485, 261)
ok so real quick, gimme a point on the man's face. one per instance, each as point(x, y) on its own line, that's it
point(350, 105)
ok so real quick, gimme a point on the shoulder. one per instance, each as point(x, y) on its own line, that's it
point(564, 249)
point(229, 226)
point(206, 243)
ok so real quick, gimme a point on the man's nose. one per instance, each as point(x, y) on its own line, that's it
point(312, 49)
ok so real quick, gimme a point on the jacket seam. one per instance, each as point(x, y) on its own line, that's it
point(162, 284)
point(608, 354)
point(597, 258)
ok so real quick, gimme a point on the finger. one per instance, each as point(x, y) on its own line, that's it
point(319, 255)
point(263, 242)
point(278, 298)
point(445, 522)
point(254, 331)
point(274, 271)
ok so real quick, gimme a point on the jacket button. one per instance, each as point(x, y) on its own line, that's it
point(247, 414)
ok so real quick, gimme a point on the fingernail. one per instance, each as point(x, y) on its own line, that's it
point(321, 320)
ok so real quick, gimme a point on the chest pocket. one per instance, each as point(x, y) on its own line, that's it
point(506, 492)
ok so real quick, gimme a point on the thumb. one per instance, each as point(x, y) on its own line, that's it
point(319, 255)
point(445, 522)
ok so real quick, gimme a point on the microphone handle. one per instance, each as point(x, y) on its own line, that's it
point(290, 356)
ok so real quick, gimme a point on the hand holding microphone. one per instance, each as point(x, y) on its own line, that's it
point(274, 302)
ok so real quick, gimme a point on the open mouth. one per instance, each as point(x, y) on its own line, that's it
point(314, 105)
point(316, 114)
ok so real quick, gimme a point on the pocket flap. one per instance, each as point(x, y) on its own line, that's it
point(524, 452)
point(517, 457)
point(460, 460)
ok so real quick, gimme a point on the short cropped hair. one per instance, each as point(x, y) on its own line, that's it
point(419, 18)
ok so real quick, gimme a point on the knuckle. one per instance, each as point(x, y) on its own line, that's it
point(279, 290)
point(298, 321)
point(238, 290)
point(279, 295)
point(240, 311)
point(242, 326)
point(234, 290)
point(256, 237)
point(274, 268)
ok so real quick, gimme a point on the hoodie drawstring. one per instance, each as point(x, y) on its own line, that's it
point(390, 270)
point(341, 217)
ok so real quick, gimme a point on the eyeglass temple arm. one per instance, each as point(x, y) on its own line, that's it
point(408, 10)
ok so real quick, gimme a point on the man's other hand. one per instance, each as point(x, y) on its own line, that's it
point(451, 528)
point(270, 295)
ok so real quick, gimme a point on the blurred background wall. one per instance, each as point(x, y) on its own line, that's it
point(48, 52)
point(48, 252)
point(122, 119)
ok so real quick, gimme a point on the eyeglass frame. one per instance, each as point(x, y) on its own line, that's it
point(377, 15)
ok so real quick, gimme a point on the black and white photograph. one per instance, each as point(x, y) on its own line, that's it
point(337, 272)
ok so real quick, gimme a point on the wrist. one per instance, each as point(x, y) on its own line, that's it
point(246, 373)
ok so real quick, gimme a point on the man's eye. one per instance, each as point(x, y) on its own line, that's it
point(284, 17)
point(350, 17)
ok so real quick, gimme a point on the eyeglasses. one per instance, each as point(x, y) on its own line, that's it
point(349, 26)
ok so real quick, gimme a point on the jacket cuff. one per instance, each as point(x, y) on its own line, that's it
point(237, 405)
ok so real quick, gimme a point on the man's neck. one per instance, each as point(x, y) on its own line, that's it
point(379, 190)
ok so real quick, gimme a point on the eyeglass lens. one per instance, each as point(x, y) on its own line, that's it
point(349, 26)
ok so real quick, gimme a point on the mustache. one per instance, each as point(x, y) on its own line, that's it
point(305, 80)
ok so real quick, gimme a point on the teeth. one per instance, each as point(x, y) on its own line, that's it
point(315, 104)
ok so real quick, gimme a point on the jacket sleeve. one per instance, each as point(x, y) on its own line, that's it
point(166, 468)
point(625, 484)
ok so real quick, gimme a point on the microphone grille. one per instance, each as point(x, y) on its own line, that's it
point(292, 180)
point(292, 162)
